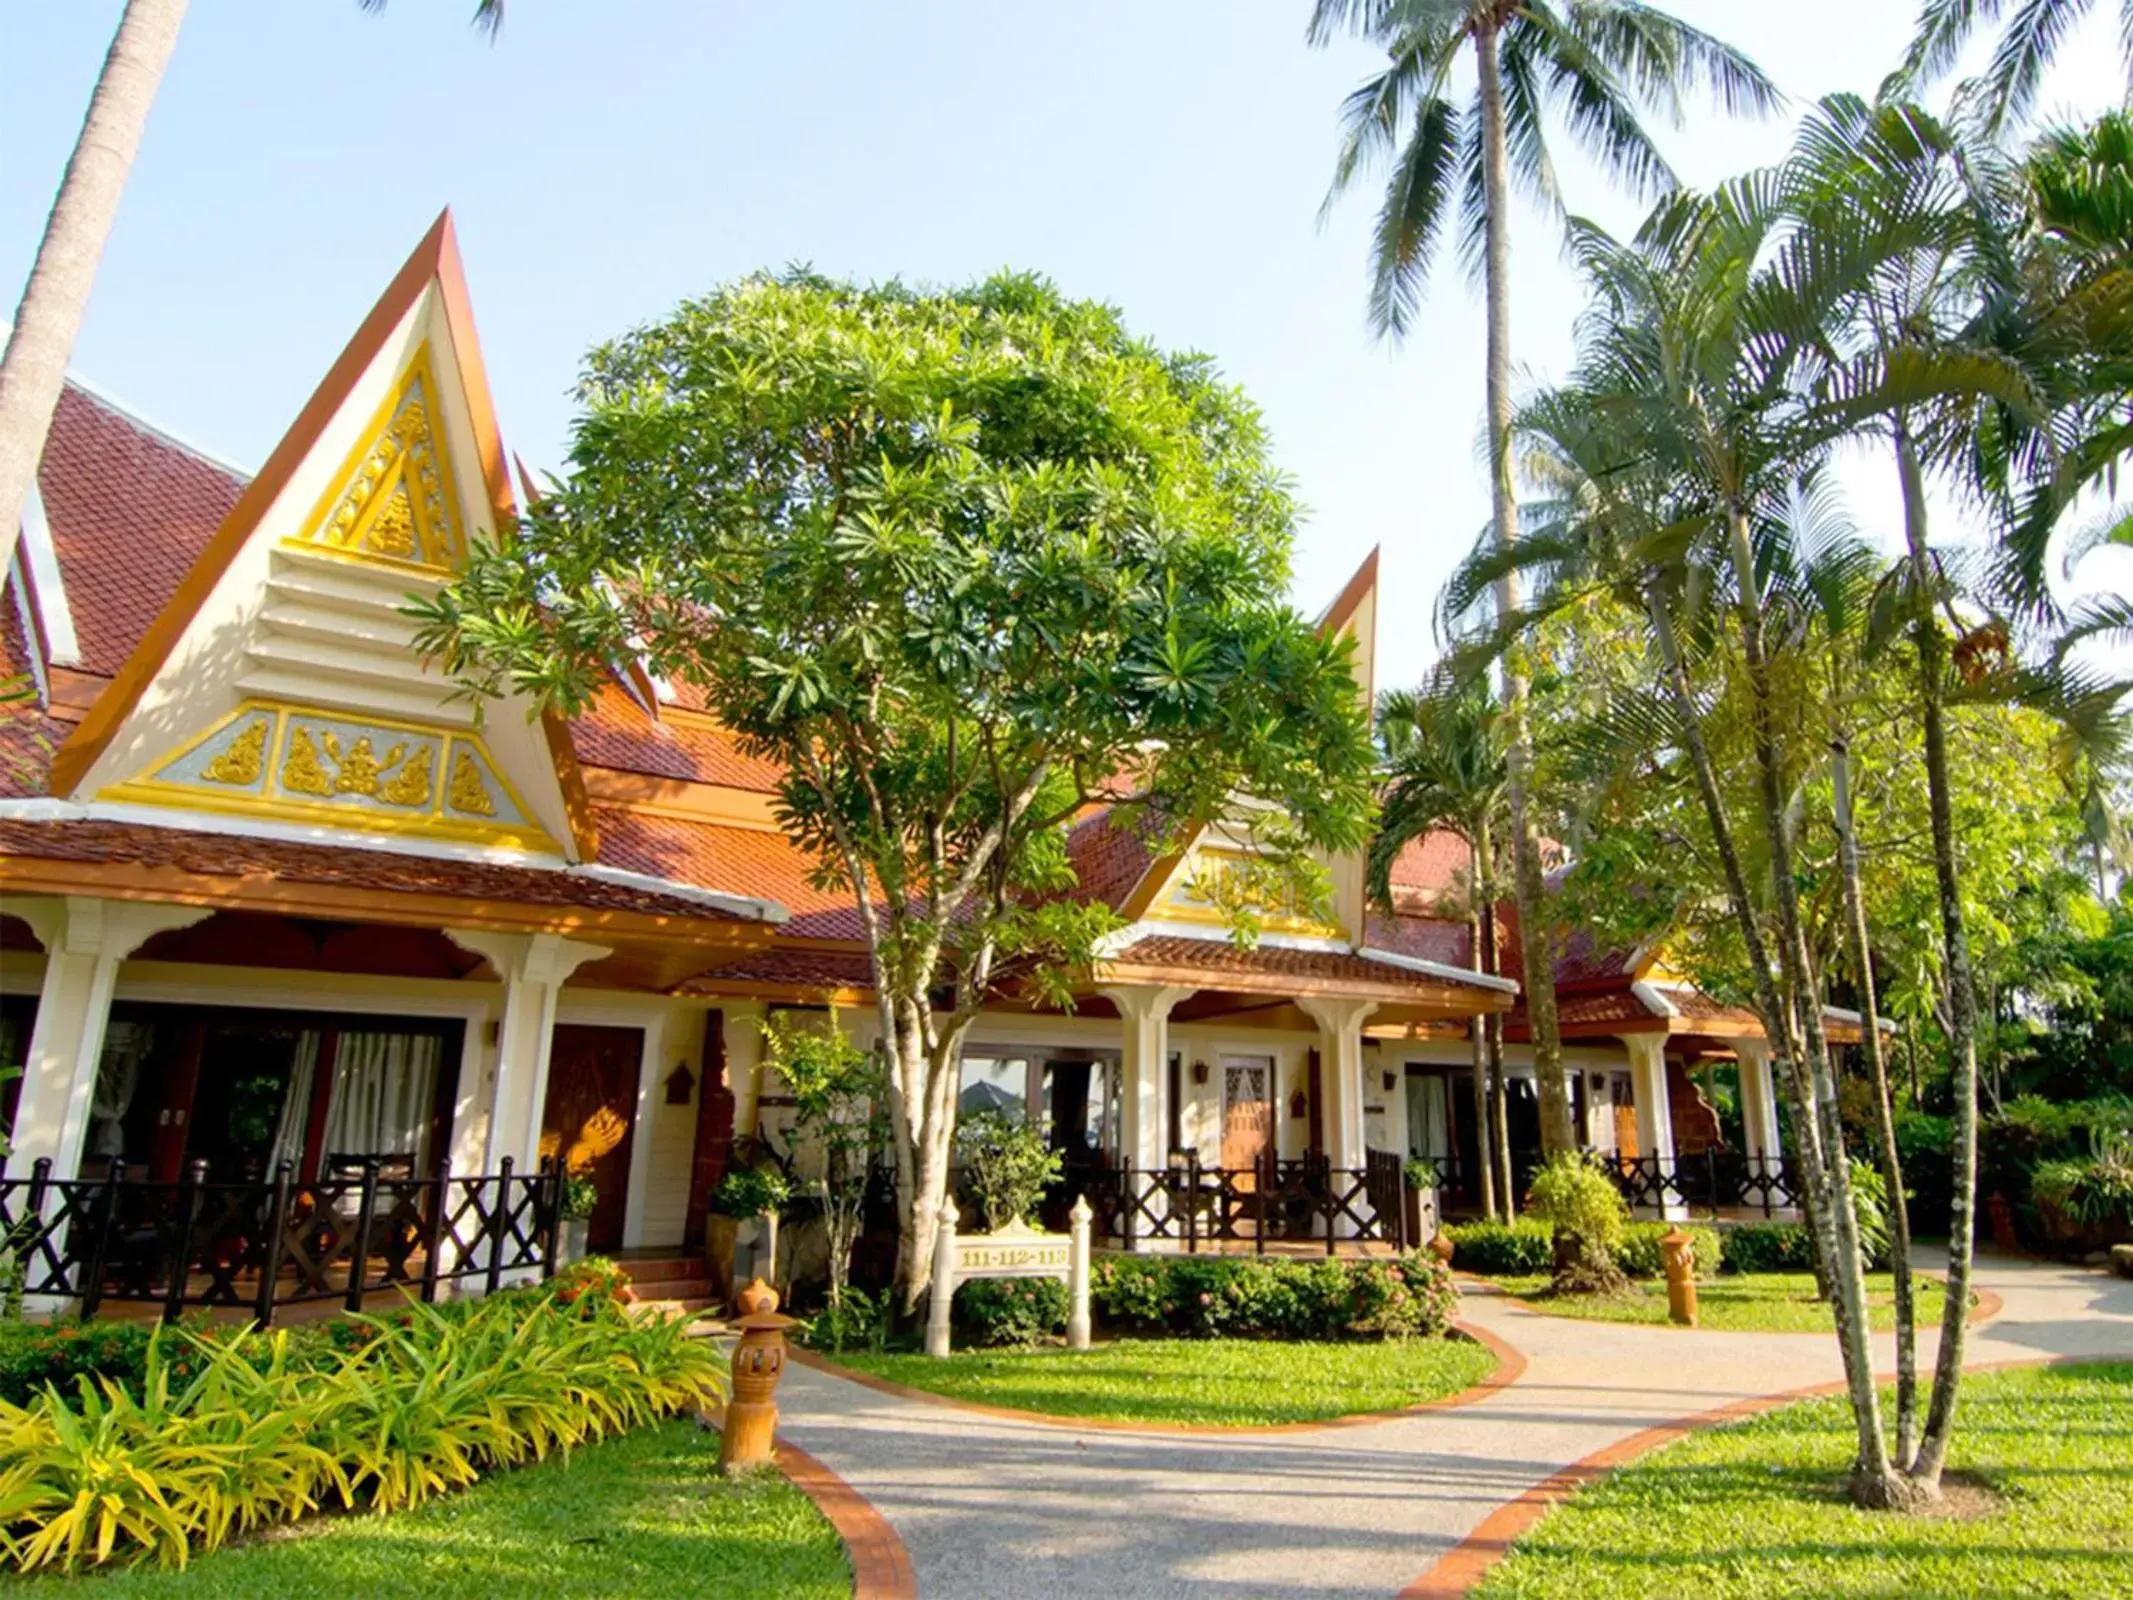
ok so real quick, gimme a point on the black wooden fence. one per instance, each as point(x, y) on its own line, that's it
point(261, 1245)
point(1711, 1179)
point(1268, 1202)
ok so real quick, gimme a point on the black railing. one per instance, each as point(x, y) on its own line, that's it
point(259, 1246)
point(1268, 1202)
point(1712, 1180)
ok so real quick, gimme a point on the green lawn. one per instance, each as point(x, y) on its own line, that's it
point(645, 1514)
point(1217, 1383)
point(1755, 1302)
point(1753, 1511)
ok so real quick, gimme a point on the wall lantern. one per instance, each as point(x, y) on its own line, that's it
point(1199, 1072)
point(1299, 1104)
point(681, 1084)
point(1391, 1079)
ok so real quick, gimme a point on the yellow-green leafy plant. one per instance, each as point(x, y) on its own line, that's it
point(270, 1429)
point(1574, 1195)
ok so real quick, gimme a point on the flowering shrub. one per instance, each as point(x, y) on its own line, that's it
point(1256, 1297)
point(1010, 1310)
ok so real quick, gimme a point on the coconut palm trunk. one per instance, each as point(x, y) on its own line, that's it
point(1884, 1109)
point(34, 368)
point(1535, 933)
point(1480, 888)
point(1962, 995)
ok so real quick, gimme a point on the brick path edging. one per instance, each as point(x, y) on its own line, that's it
point(1460, 1569)
point(1510, 1367)
point(881, 1566)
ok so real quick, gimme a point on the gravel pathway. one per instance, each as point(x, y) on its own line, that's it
point(1000, 1510)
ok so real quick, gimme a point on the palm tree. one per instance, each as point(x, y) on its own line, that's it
point(1598, 65)
point(2026, 47)
point(1676, 451)
point(1444, 767)
point(33, 368)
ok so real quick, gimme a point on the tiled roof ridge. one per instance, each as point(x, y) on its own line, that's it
point(104, 399)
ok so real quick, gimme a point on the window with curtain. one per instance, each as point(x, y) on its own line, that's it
point(384, 1095)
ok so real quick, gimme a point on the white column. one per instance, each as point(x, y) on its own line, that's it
point(652, 1069)
point(84, 941)
point(1655, 1111)
point(1144, 1058)
point(533, 967)
point(1340, 1027)
point(1758, 1099)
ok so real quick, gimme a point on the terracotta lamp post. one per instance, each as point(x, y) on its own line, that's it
point(1679, 1252)
point(758, 1363)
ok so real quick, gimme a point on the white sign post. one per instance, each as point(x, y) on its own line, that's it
point(1014, 1252)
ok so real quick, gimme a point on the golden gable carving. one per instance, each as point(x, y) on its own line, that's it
point(395, 501)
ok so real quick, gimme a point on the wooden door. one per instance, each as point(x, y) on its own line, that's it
point(588, 1118)
point(1625, 1118)
point(1247, 1110)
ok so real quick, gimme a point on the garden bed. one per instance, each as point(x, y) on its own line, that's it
point(1755, 1511)
point(1748, 1302)
point(1210, 1383)
point(645, 1514)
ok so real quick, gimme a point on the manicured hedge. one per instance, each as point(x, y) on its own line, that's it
point(1639, 1254)
point(1527, 1246)
point(1010, 1310)
point(1767, 1247)
point(1273, 1297)
point(1502, 1249)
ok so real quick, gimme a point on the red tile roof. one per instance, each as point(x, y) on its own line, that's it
point(1435, 864)
point(734, 860)
point(1110, 855)
point(1439, 939)
point(225, 856)
point(130, 512)
point(796, 969)
point(1221, 964)
point(617, 732)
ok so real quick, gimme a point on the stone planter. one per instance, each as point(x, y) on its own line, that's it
point(570, 1240)
point(728, 1242)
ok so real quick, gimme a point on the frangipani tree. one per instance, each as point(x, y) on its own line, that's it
point(963, 564)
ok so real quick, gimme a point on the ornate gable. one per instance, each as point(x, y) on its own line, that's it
point(282, 681)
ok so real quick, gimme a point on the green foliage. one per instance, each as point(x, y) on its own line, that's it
point(33, 1355)
point(641, 1515)
point(1756, 1302)
point(1766, 1247)
point(2096, 1192)
point(995, 1311)
point(1639, 1256)
point(1495, 1249)
point(272, 1428)
point(1255, 1297)
point(1576, 1196)
point(748, 1192)
point(840, 1099)
point(1008, 1166)
point(855, 1318)
point(580, 1196)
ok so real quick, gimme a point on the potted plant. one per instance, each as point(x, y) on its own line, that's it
point(738, 1207)
point(580, 1195)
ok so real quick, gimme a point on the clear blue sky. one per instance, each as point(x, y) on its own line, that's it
point(607, 159)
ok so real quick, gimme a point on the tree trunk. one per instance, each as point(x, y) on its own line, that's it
point(1962, 994)
point(1529, 887)
point(34, 368)
point(1874, 1481)
point(1891, 1160)
point(1478, 920)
